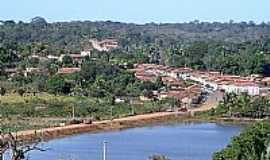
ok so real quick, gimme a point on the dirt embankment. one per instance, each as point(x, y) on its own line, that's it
point(116, 124)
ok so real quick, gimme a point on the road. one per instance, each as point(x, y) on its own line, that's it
point(211, 102)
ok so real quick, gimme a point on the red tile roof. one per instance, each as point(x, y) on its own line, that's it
point(76, 56)
point(68, 70)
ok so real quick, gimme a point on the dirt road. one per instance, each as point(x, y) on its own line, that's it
point(212, 102)
point(50, 133)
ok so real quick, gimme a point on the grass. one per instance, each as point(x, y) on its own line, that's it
point(15, 99)
point(33, 112)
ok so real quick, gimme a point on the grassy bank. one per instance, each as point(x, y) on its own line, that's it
point(33, 112)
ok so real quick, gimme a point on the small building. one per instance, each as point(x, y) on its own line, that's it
point(251, 89)
point(104, 45)
point(32, 71)
point(119, 100)
point(204, 80)
point(85, 53)
point(77, 58)
point(181, 73)
point(52, 57)
point(68, 70)
point(11, 71)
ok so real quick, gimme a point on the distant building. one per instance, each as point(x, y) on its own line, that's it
point(77, 58)
point(11, 71)
point(251, 89)
point(52, 57)
point(119, 100)
point(208, 80)
point(85, 53)
point(31, 71)
point(104, 45)
point(68, 70)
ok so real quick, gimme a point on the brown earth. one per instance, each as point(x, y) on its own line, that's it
point(107, 125)
point(116, 124)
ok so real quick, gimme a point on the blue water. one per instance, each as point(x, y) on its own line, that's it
point(178, 142)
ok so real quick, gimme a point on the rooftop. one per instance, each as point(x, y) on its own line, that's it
point(68, 70)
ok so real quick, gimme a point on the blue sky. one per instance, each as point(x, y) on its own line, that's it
point(137, 11)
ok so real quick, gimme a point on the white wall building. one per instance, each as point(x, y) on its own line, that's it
point(204, 81)
point(85, 53)
point(250, 89)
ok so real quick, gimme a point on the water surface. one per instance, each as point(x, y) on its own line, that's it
point(196, 141)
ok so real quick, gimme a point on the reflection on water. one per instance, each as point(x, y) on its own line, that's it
point(177, 141)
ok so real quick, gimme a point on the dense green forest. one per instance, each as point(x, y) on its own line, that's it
point(243, 106)
point(252, 144)
point(235, 48)
point(72, 34)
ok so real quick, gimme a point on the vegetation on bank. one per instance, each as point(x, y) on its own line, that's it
point(93, 92)
point(252, 144)
point(241, 106)
point(19, 111)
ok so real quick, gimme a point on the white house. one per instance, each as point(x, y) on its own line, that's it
point(85, 53)
point(203, 80)
point(182, 73)
point(238, 88)
point(53, 57)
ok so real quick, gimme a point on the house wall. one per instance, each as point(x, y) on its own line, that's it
point(205, 82)
point(250, 90)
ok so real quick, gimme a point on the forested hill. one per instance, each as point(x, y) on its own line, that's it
point(72, 34)
point(233, 48)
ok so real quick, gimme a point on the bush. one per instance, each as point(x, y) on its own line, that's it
point(2, 91)
point(21, 91)
point(252, 144)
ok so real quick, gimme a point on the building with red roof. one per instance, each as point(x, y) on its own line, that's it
point(68, 70)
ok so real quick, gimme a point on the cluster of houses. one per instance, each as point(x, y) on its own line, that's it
point(77, 58)
point(104, 45)
point(178, 78)
point(228, 83)
point(175, 87)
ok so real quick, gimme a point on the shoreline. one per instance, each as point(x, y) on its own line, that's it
point(101, 126)
point(122, 123)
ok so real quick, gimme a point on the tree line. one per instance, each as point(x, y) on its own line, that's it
point(252, 144)
point(243, 106)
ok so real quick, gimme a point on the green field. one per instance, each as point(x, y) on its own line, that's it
point(30, 112)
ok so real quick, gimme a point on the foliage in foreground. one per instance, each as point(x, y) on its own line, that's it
point(243, 106)
point(252, 144)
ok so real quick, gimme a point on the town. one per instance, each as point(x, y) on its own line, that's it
point(190, 87)
point(117, 88)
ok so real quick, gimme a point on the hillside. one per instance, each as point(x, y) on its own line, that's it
point(71, 35)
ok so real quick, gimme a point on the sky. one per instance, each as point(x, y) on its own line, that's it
point(137, 11)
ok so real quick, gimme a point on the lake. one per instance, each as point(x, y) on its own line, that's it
point(192, 141)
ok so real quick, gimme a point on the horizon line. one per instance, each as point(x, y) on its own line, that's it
point(140, 23)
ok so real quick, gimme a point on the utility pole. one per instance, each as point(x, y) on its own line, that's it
point(105, 150)
point(111, 113)
point(132, 110)
point(1, 154)
point(73, 112)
